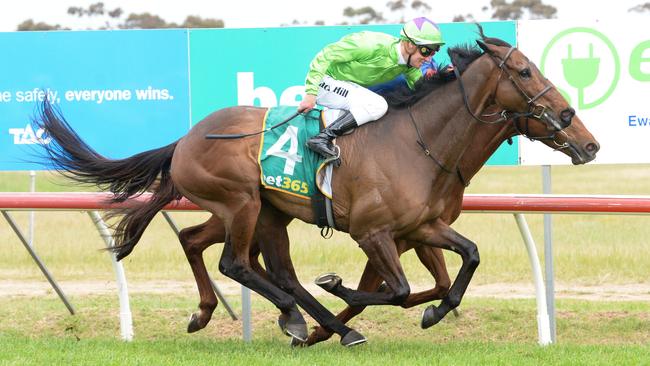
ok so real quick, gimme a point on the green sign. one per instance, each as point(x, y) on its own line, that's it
point(582, 72)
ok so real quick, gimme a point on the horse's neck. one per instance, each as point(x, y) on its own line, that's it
point(448, 129)
point(486, 140)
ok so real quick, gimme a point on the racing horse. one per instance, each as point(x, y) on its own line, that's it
point(379, 198)
point(486, 140)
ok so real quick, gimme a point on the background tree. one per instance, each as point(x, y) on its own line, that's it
point(535, 9)
point(30, 25)
point(408, 9)
point(363, 15)
point(641, 8)
point(399, 11)
point(112, 19)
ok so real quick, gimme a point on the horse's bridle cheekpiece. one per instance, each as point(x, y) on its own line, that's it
point(535, 110)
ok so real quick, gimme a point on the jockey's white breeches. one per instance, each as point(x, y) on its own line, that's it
point(364, 104)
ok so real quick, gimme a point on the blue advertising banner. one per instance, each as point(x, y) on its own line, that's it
point(267, 67)
point(122, 91)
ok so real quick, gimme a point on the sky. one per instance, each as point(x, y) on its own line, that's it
point(265, 13)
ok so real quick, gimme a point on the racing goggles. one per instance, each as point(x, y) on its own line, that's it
point(427, 51)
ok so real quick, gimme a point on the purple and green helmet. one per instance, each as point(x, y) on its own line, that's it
point(422, 32)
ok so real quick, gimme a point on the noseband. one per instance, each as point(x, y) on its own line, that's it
point(535, 110)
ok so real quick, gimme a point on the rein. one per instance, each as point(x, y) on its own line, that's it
point(427, 152)
point(242, 135)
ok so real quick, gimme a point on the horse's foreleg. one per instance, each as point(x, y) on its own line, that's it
point(370, 281)
point(383, 256)
point(439, 234)
point(195, 240)
point(433, 259)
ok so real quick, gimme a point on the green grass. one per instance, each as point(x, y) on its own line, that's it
point(488, 331)
point(201, 352)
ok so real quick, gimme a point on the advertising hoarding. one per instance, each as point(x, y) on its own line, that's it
point(122, 91)
point(603, 69)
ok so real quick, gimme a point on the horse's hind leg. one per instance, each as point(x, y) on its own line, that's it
point(195, 240)
point(274, 244)
point(235, 263)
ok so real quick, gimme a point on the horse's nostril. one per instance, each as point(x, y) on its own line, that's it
point(591, 147)
point(567, 114)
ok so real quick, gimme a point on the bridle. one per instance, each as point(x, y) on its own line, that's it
point(535, 110)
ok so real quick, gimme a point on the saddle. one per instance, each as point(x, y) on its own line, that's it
point(288, 166)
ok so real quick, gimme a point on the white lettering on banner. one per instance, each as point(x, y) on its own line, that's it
point(5, 96)
point(153, 94)
point(27, 136)
point(37, 95)
point(97, 96)
point(247, 93)
point(292, 157)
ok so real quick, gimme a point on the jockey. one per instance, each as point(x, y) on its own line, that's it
point(340, 73)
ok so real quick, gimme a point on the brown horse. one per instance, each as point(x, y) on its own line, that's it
point(379, 198)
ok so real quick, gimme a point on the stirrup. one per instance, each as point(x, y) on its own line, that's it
point(335, 158)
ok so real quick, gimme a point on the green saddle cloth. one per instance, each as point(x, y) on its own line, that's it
point(287, 164)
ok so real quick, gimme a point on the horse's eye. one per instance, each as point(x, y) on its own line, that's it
point(525, 73)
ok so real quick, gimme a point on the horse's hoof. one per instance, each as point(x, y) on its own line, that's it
point(297, 331)
point(353, 338)
point(328, 281)
point(282, 322)
point(295, 342)
point(430, 317)
point(294, 330)
point(193, 325)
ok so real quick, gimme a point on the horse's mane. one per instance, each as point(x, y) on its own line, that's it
point(462, 55)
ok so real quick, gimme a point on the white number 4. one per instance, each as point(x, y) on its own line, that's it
point(292, 157)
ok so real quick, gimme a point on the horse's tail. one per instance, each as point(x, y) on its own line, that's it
point(123, 177)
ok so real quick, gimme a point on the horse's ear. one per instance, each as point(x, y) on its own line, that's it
point(483, 46)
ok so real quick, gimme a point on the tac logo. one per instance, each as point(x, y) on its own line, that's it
point(584, 64)
point(27, 136)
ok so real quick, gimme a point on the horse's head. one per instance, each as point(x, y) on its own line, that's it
point(534, 104)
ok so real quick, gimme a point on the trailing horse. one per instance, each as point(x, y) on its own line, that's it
point(408, 192)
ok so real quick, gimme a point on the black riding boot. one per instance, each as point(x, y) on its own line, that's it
point(322, 143)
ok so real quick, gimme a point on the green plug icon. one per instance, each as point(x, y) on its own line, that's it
point(581, 72)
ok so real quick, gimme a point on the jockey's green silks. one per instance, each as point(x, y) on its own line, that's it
point(366, 58)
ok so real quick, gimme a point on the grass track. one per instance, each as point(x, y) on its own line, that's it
point(203, 352)
point(489, 331)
